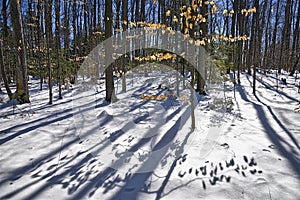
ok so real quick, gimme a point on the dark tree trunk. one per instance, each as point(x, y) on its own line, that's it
point(57, 41)
point(48, 18)
point(109, 80)
point(6, 84)
point(22, 94)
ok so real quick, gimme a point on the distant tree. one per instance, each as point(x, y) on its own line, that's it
point(296, 41)
point(285, 39)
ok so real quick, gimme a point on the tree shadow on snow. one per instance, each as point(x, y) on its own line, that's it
point(76, 174)
point(272, 134)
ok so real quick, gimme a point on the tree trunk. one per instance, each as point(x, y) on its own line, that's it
point(57, 41)
point(6, 84)
point(256, 52)
point(124, 27)
point(284, 51)
point(264, 62)
point(193, 125)
point(296, 41)
point(109, 80)
point(22, 94)
point(39, 41)
point(48, 18)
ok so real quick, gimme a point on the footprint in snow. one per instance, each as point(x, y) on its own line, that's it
point(266, 150)
point(272, 146)
point(225, 145)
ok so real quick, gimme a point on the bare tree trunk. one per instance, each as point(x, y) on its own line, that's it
point(264, 62)
point(57, 35)
point(48, 18)
point(2, 44)
point(124, 27)
point(260, 30)
point(39, 41)
point(193, 124)
point(74, 26)
point(256, 52)
point(296, 41)
point(275, 31)
point(22, 94)
point(66, 29)
point(6, 84)
point(284, 51)
point(109, 80)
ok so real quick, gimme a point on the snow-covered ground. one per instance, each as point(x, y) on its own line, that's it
point(145, 149)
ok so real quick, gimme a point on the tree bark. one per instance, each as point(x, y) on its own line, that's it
point(109, 80)
point(48, 18)
point(6, 84)
point(57, 41)
point(22, 93)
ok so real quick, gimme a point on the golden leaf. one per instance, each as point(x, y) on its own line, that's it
point(175, 19)
point(168, 13)
point(132, 24)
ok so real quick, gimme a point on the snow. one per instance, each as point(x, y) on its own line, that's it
point(136, 149)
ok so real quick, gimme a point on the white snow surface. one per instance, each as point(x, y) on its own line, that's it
point(142, 149)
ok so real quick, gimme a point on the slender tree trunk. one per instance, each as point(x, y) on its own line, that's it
point(109, 80)
point(2, 45)
point(256, 53)
point(48, 18)
point(57, 35)
point(124, 27)
point(74, 26)
point(285, 43)
point(39, 41)
point(66, 29)
point(193, 125)
point(275, 32)
point(6, 84)
point(260, 32)
point(265, 56)
point(296, 41)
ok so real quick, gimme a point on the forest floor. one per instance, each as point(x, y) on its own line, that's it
point(245, 146)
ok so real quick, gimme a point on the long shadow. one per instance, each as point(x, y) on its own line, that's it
point(274, 77)
point(134, 185)
point(167, 178)
point(272, 134)
point(269, 87)
point(43, 118)
point(35, 121)
point(57, 179)
point(41, 122)
point(31, 128)
point(74, 170)
point(22, 170)
point(18, 173)
point(277, 120)
point(99, 180)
